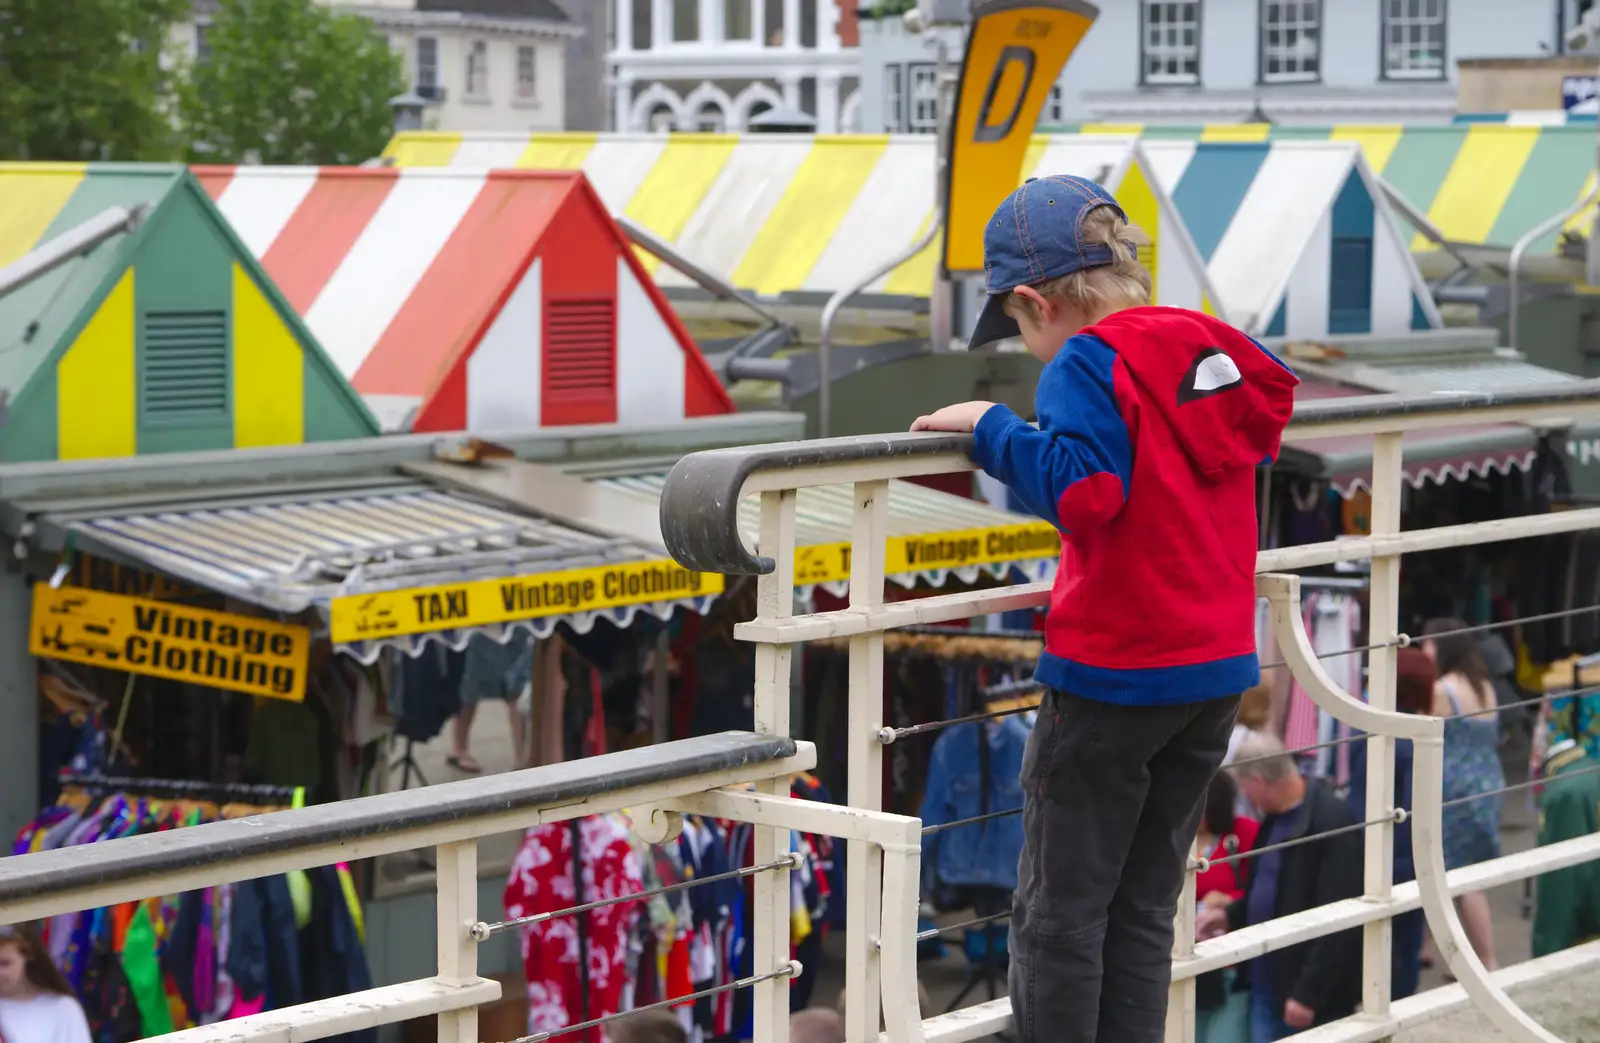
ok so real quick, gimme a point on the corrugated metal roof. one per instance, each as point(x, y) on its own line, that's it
point(823, 515)
point(299, 553)
point(1476, 375)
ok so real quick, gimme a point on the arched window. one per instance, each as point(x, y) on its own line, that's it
point(710, 117)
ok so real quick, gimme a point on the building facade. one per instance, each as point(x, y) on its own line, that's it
point(481, 65)
point(713, 65)
point(1313, 61)
point(1220, 61)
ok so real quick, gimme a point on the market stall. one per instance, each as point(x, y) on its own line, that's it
point(816, 211)
point(476, 300)
point(140, 324)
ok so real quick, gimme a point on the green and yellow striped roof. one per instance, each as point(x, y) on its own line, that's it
point(1483, 183)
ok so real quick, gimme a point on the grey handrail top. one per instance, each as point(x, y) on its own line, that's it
point(39, 875)
point(700, 503)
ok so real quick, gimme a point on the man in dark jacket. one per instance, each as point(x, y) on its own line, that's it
point(1319, 981)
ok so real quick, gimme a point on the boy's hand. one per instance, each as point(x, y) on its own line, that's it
point(962, 417)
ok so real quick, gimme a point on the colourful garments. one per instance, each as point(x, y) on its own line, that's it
point(560, 993)
point(151, 967)
point(1151, 426)
point(1568, 907)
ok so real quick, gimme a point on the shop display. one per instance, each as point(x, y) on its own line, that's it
point(641, 952)
point(164, 964)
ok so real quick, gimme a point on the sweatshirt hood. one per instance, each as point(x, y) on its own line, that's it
point(1225, 396)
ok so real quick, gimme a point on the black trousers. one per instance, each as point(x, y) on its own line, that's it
point(1112, 797)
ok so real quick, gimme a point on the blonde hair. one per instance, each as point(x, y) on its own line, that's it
point(1255, 707)
point(1098, 291)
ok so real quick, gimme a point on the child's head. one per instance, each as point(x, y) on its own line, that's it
point(652, 1026)
point(25, 967)
point(816, 1025)
point(1060, 255)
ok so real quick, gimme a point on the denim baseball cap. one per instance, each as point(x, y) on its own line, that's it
point(1037, 234)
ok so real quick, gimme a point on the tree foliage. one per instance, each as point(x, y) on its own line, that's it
point(86, 79)
point(290, 81)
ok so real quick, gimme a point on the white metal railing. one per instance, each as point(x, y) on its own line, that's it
point(739, 776)
point(698, 522)
point(745, 777)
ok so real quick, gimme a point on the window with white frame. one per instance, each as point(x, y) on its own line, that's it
point(738, 20)
point(894, 99)
point(710, 118)
point(923, 97)
point(685, 21)
point(643, 25)
point(478, 69)
point(1291, 41)
point(427, 78)
point(202, 41)
point(1171, 42)
point(527, 72)
point(1413, 39)
point(772, 23)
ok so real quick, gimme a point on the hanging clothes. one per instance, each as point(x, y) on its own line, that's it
point(162, 964)
point(1332, 620)
point(976, 770)
point(560, 992)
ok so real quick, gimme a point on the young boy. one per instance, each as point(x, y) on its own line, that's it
point(1152, 422)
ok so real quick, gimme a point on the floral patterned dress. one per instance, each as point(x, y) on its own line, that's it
point(541, 881)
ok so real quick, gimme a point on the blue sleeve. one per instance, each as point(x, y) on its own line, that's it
point(1074, 469)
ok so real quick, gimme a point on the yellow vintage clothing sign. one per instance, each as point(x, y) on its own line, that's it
point(164, 639)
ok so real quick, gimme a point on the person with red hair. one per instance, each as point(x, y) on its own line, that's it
point(36, 1003)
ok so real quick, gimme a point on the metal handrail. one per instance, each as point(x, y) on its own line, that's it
point(47, 883)
point(830, 312)
point(1514, 277)
point(700, 500)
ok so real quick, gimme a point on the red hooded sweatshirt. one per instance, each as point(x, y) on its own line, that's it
point(1151, 426)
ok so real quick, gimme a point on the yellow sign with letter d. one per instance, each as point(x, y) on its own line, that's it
point(1015, 52)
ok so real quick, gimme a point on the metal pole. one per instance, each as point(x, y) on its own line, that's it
point(1539, 231)
point(702, 276)
point(74, 242)
point(830, 312)
point(941, 301)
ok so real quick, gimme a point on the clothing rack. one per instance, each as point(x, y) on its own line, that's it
point(182, 789)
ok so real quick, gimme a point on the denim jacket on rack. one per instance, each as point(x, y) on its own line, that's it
point(983, 854)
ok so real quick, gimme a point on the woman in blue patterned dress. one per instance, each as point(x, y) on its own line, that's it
point(1472, 768)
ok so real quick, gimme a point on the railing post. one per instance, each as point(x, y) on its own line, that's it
point(774, 600)
point(863, 886)
point(456, 910)
point(1181, 995)
point(1382, 627)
